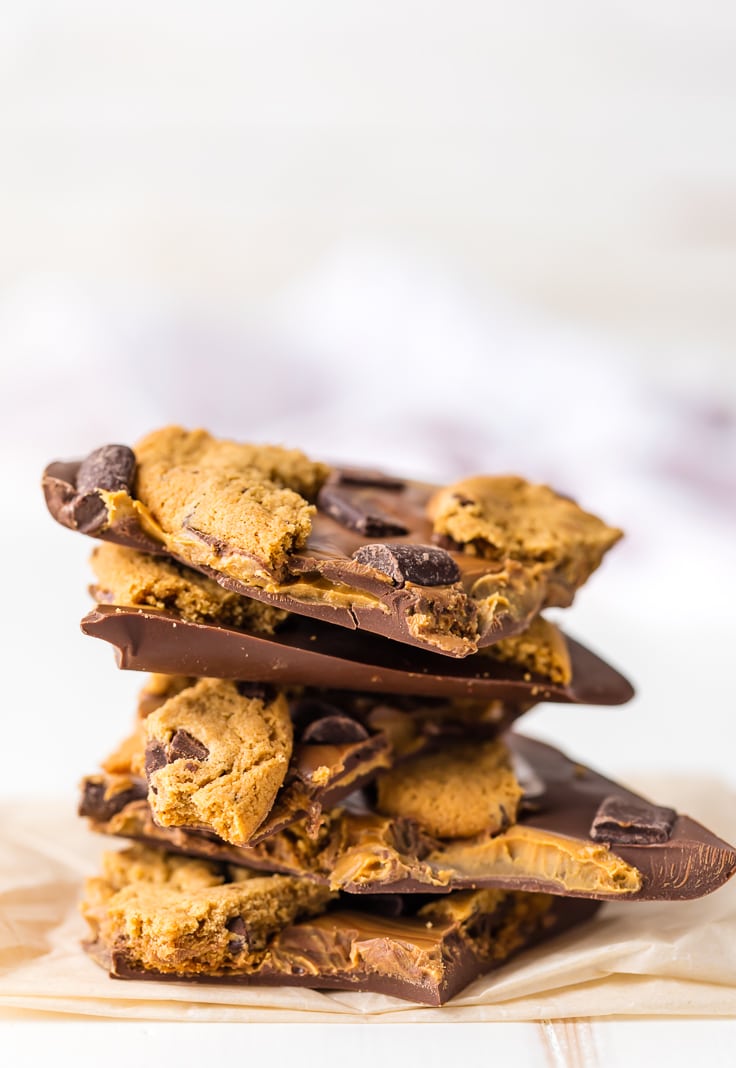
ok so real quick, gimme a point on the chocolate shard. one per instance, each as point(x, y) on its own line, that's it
point(426, 956)
point(424, 565)
point(110, 467)
point(334, 730)
point(498, 594)
point(354, 507)
point(183, 746)
point(625, 821)
point(311, 653)
point(366, 853)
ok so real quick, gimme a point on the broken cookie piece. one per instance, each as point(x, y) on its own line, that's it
point(170, 919)
point(280, 930)
point(467, 788)
point(216, 759)
point(223, 504)
point(127, 577)
point(502, 518)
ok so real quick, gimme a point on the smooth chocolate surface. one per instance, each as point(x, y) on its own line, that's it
point(359, 851)
point(404, 586)
point(313, 653)
point(354, 948)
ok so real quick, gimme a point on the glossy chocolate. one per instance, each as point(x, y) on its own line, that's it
point(312, 653)
point(562, 799)
point(343, 577)
point(354, 948)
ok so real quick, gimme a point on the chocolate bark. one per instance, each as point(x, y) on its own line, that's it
point(341, 741)
point(552, 848)
point(425, 957)
point(313, 653)
point(371, 562)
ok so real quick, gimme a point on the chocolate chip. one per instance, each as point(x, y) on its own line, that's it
point(259, 691)
point(108, 468)
point(185, 747)
point(367, 476)
point(621, 821)
point(236, 926)
point(155, 758)
point(355, 506)
point(334, 730)
point(424, 565)
point(98, 805)
point(89, 513)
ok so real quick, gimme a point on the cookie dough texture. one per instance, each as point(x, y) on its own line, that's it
point(540, 649)
point(175, 914)
point(506, 517)
point(466, 789)
point(236, 507)
point(127, 577)
point(215, 759)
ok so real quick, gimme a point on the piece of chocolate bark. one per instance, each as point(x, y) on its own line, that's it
point(569, 837)
point(243, 760)
point(447, 569)
point(313, 653)
point(156, 916)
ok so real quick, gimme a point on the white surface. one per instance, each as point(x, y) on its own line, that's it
point(573, 1044)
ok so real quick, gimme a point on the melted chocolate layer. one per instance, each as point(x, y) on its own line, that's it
point(313, 653)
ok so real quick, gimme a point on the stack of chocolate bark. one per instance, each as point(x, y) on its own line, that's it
point(320, 787)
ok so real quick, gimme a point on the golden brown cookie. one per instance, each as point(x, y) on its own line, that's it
point(178, 914)
point(540, 649)
point(215, 759)
point(235, 507)
point(466, 789)
point(506, 517)
point(127, 577)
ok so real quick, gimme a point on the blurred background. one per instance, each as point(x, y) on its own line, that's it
point(441, 239)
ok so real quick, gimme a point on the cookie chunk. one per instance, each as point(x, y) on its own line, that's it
point(464, 790)
point(540, 649)
point(234, 507)
point(216, 759)
point(178, 914)
point(127, 577)
point(505, 517)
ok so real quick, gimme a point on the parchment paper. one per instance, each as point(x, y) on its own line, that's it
point(646, 959)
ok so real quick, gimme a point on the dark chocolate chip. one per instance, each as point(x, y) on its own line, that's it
point(96, 803)
point(259, 691)
point(424, 565)
point(155, 758)
point(334, 730)
point(367, 476)
point(89, 513)
point(236, 926)
point(183, 746)
point(355, 507)
point(108, 468)
point(626, 822)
